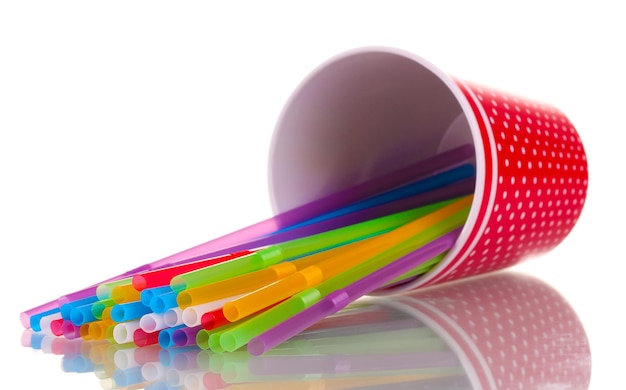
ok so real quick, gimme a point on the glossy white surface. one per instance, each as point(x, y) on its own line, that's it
point(131, 131)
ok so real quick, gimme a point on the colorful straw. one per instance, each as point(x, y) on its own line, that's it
point(421, 231)
point(255, 231)
point(340, 298)
point(264, 284)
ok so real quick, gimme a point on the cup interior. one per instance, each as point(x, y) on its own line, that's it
point(360, 116)
point(357, 117)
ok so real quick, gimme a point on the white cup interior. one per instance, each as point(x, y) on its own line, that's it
point(360, 115)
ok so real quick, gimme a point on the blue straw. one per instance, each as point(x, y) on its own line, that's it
point(430, 183)
point(124, 312)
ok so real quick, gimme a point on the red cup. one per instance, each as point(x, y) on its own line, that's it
point(370, 111)
point(509, 331)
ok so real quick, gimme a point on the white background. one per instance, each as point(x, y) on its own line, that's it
point(132, 130)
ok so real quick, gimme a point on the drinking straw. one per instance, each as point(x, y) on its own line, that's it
point(332, 262)
point(252, 282)
point(106, 314)
point(235, 285)
point(163, 276)
point(257, 279)
point(293, 249)
point(141, 338)
point(425, 229)
point(104, 290)
point(163, 302)
point(452, 190)
point(282, 220)
point(98, 307)
point(98, 329)
point(204, 338)
point(377, 185)
point(192, 315)
point(123, 312)
point(120, 291)
point(36, 319)
point(338, 299)
point(186, 336)
point(46, 321)
point(66, 308)
point(328, 203)
point(82, 314)
point(439, 180)
point(124, 293)
point(422, 269)
point(313, 275)
point(173, 317)
point(153, 322)
point(165, 336)
point(56, 327)
point(123, 332)
point(148, 294)
point(160, 305)
point(84, 332)
point(70, 331)
point(214, 319)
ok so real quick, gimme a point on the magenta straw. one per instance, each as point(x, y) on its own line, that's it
point(258, 230)
point(338, 299)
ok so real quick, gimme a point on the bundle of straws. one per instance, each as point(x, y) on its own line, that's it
point(263, 284)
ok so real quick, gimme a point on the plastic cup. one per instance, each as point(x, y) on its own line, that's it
point(370, 111)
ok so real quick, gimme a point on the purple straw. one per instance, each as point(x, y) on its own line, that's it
point(338, 299)
point(252, 233)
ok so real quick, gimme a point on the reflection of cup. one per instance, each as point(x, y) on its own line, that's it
point(510, 331)
point(370, 111)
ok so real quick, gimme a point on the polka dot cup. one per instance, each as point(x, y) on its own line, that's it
point(509, 331)
point(370, 111)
